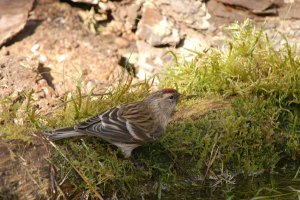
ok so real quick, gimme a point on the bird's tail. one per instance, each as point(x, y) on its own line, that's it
point(62, 133)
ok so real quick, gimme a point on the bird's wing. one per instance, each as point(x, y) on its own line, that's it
point(141, 121)
point(111, 126)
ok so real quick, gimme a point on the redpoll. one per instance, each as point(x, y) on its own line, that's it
point(128, 126)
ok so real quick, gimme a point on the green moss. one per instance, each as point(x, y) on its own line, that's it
point(260, 130)
point(17, 117)
point(247, 134)
point(248, 65)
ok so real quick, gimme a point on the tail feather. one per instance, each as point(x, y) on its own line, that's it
point(63, 133)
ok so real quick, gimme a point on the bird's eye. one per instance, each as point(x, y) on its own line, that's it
point(171, 97)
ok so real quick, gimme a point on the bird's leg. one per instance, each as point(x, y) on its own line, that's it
point(127, 152)
point(126, 148)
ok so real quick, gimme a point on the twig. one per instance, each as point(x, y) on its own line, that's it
point(53, 183)
point(85, 179)
point(211, 159)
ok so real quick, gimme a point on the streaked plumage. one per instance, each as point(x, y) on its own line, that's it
point(128, 126)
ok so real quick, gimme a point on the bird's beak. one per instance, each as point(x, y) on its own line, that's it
point(177, 96)
point(190, 96)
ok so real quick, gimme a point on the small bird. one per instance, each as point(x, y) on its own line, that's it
point(130, 125)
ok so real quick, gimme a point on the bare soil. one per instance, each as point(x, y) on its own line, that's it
point(65, 51)
point(24, 169)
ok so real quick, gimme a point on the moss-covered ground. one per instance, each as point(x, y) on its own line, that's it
point(239, 117)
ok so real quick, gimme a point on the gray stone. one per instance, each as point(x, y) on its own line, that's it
point(13, 18)
point(194, 43)
point(128, 14)
point(295, 25)
point(253, 6)
point(198, 21)
point(218, 9)
point(290, 11)
point(186, 6)
point(189, 13)
point(155, 28)
point(150, 60)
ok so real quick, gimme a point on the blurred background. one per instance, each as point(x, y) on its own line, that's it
point(51, 45)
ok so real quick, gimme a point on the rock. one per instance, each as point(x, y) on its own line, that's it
point(259, 7)
point(121, 42)
point(151, 60)
point(186, 13)
point(156, 29)
point(198, 21)
point(253, 6)
point(194, 43)
point(290, 11)
point(295, 25)
point(131, 57)
point(13, 18)
point(218, 9)
point(186, 6)
point(128, 14)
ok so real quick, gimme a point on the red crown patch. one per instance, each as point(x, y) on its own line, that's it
point(169, 90)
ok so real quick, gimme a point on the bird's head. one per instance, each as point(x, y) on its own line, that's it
point(163, 102)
